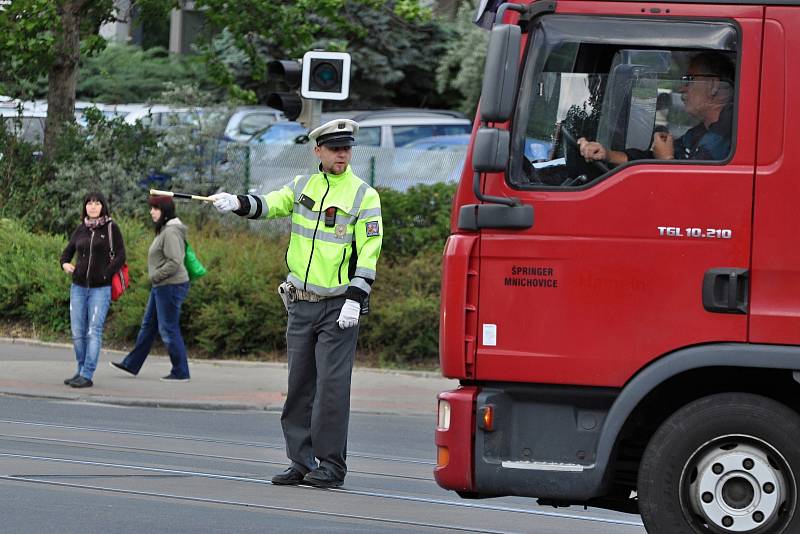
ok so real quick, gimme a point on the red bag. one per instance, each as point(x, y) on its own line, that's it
point(121, 280)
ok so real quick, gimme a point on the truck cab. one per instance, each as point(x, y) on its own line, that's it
point(621, 289)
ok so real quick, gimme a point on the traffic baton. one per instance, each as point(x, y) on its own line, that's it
point(156, 192)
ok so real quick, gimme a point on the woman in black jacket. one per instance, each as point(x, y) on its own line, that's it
point(90, 294)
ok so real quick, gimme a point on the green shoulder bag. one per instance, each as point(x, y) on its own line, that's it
point(192, 264)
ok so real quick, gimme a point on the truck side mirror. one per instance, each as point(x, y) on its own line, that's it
point(490, 150)
point(501, 73)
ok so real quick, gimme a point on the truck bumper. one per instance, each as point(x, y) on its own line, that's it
point(454, 439)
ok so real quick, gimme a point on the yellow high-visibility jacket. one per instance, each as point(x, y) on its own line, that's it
point(337, 231)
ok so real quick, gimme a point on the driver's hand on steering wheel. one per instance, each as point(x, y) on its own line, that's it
point(592, 150)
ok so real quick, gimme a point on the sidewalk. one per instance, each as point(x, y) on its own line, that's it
point(33, 369)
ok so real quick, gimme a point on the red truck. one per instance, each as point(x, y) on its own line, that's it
point(621, 287)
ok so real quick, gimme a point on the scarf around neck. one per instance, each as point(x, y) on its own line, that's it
point(91, 224)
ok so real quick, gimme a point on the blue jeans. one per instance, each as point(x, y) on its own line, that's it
point(162, 316)
point(88, 307)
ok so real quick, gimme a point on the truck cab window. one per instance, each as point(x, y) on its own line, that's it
point(591, 107)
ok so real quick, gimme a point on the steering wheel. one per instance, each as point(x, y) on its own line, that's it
point(570, 139)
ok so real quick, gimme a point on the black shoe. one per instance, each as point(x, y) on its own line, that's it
point(290, 477)
point(121, 367)
point(172, 378)
point(322, 478)
point(70, 379)
point(81, 382)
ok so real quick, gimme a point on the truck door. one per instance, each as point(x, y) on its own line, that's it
point(775, 303)
point(626, 261)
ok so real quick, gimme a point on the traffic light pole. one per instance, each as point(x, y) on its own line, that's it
point(311, 116)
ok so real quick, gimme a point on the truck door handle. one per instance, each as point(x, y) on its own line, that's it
point(725, 290)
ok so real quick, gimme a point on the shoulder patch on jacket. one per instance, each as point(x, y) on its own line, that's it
point(373, 229)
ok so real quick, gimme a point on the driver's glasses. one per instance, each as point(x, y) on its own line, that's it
point(686, 78)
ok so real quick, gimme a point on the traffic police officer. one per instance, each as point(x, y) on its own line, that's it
point(333, 251)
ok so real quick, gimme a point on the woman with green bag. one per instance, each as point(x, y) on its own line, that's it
point(170, 286)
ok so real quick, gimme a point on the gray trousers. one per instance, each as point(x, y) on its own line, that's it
point(317, 408)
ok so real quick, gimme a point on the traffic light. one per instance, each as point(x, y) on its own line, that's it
point(319, 76)
point(285, 74)
point(326, 75)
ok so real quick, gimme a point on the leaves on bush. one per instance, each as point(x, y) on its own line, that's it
point(235, 310)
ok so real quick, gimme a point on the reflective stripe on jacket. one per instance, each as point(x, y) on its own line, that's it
point(331, 259)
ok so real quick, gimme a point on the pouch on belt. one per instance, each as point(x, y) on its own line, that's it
point(283, 291)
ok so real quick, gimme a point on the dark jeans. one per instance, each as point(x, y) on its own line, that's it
point(162, 316)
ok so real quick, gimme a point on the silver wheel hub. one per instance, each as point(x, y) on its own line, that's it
point(736, 489)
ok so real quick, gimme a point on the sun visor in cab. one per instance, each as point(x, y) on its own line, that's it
point(637, 32)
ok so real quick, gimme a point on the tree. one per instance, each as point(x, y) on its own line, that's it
point(62, 75)
point(125, 73)
point(48, 37)
point(395, 45)
point(461, 68)
point(26, 30)
point(266, 29)
point(393, 60)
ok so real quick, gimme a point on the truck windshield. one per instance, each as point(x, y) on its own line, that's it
point(586, 108)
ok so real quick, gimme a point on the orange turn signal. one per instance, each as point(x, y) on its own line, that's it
point(487, 417)
point(442, 457)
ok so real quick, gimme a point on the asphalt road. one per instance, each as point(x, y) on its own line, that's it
point(90, 468)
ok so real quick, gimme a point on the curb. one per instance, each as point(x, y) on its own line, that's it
point(263, 398)
point(143, 403)
point(184, 405)
point(224, 361)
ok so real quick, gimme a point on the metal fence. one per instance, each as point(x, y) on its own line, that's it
point(260, 169)
point(264, 168)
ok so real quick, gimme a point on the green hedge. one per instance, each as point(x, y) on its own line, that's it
point(32, 286)
point(415, 221)
point(234, 311)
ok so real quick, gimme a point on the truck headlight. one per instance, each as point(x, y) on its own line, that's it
point(444, 415)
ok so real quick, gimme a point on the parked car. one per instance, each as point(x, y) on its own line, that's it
point(398, 127)
point(444, 164)
point(389, 128)
point(244, 122)
point(28, 125)
point(279, 133)
point(34, 105)
point(373, 158)
point(163, 117)
point(274, 151)
point(197, 153)
point(109, 111)
point(441, 142)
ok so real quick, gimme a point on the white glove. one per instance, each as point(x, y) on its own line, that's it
point(348, 317)
point(225, 202)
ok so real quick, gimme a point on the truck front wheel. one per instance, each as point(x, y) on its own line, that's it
point(723, 464)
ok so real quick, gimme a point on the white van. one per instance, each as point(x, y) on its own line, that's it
point(396, 128)
point(388, 128)
point(161, 117)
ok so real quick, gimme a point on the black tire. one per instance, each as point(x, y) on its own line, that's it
point(744, 448)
